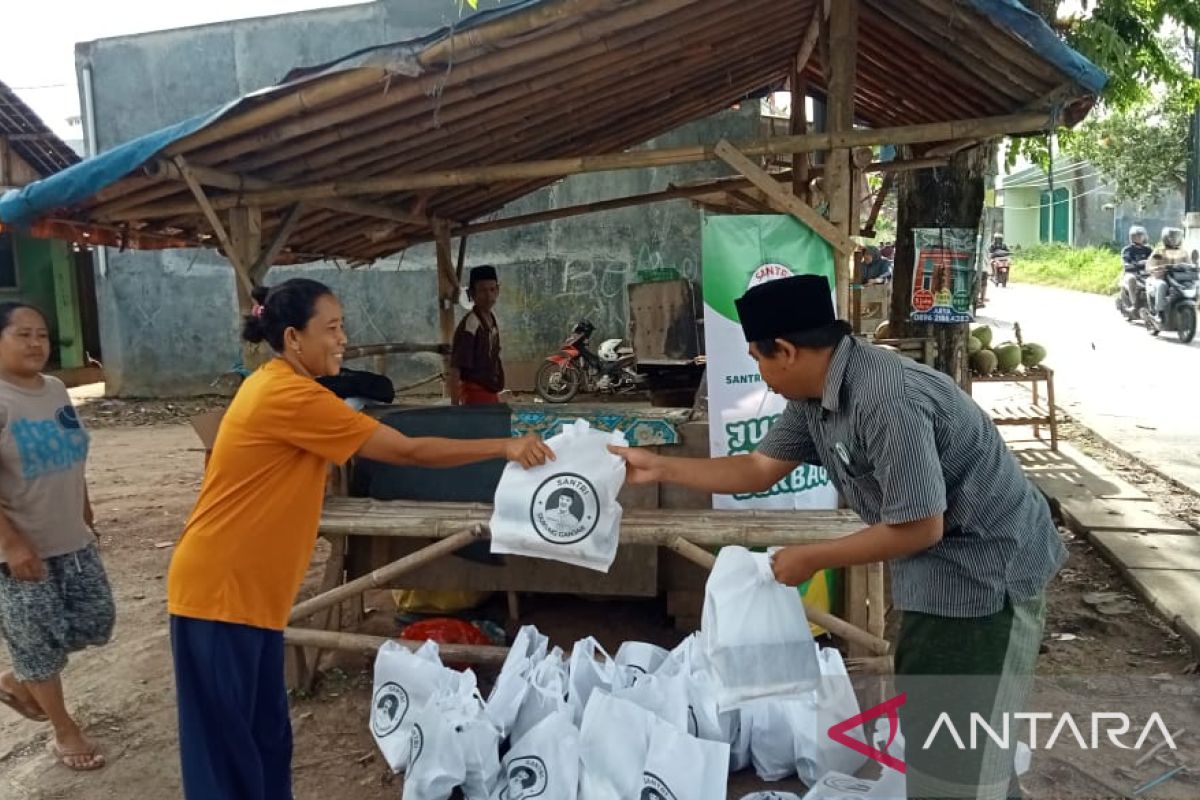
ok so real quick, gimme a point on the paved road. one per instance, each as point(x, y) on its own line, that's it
point(1139, 392)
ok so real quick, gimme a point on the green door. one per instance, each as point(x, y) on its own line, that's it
point(1062, 216)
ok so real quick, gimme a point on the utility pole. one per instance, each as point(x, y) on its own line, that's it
point(1193, 175)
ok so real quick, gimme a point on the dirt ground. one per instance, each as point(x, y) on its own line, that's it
point(143, 481)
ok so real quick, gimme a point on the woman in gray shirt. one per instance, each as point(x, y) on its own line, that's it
point(54, 595)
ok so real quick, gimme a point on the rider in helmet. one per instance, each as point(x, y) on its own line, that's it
point(1133, 261)
point(997, 244)
point(1169, 254)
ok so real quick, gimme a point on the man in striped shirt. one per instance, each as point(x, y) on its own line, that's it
point(970, 541)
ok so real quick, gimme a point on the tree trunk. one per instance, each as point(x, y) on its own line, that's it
point(946, 197)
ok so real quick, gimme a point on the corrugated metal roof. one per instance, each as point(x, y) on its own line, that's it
point(544, 79)
point(30, 138)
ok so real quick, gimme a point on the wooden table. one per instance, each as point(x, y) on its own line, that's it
point(1037, 413)
point(443, 528)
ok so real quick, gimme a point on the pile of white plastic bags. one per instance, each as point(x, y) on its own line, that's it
point(751, 688)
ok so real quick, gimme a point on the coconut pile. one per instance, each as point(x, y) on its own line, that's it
point(1006, 358)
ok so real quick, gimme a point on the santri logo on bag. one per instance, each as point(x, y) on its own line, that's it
point(390, 707)
point(565, 509)
point(525, 778)
point(654, 789)
point(418, 745)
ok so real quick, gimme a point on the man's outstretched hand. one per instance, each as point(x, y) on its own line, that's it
point(641, 465)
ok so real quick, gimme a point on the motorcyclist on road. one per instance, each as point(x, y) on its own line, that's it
point(1170, 253)
point(1133, 262)
point(997, 245)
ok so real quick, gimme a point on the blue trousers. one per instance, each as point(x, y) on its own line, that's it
point(235, 736)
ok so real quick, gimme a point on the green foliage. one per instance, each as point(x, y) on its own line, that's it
point(1085, 269)
point(1143, 149)
point(1125, 38)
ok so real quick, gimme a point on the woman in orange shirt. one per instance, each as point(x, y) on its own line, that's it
point(249, 540)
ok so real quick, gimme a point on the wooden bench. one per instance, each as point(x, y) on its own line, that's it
point(440, 529)
point(1038, 413)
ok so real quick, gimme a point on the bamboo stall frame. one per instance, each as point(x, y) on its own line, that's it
point(454, 525)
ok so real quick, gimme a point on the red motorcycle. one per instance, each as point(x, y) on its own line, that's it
point(999, 263)
point(576, 368)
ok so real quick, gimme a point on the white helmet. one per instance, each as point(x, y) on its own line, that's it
point(609, 350)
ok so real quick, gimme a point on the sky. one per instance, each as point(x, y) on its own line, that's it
point(37, 58)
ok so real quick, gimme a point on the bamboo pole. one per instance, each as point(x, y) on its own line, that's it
point(838, 627)
point(546, 96)
point(263, 263)
point(460, 44)
point(711, 96)
point(385, 574)
point(369, 645)
point(362, 79)
point(479, 145)
point(397, 518)
point(318, 92)
point(241, 183)
point(366, 254)
point(662, 157)
point(217, 226)
point(784, 200)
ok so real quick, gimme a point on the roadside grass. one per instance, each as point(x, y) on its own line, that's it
point(1084, 269)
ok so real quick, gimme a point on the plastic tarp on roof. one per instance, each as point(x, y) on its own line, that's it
point(21, 208)
point(1027, 26)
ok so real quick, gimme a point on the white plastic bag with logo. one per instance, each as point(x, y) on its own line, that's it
point(404, 683)
point(565, 510)
point(755, 633)
point(637, 659)
point(682, 767)
point(704, 718)
point(544, 763)
point(590, 668)
point(613, 741)
point(512, 684)
point(454, 745)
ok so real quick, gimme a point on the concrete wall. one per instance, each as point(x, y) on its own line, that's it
point(1021, 217)
point(168, 320)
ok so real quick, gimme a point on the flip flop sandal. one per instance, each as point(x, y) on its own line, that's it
point(12, 701)
point(96, 758)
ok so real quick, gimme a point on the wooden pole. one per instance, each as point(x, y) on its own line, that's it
point(245, 234)
point(637, 159)
point(784, 200)
point(838, 627)
point(385, 574)
point(670, 193)
point(263, 262)
point(369, 645)
point(241, 271)
point(448, 294)
point(840, 69)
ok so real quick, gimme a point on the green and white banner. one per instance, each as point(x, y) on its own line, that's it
point(739, 252)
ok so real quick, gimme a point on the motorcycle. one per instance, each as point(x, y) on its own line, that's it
point(1180, 317)
point(999, 263)
point(575, 368)
point(1131, 307)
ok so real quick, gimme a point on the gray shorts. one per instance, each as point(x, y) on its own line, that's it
point(42, 622)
